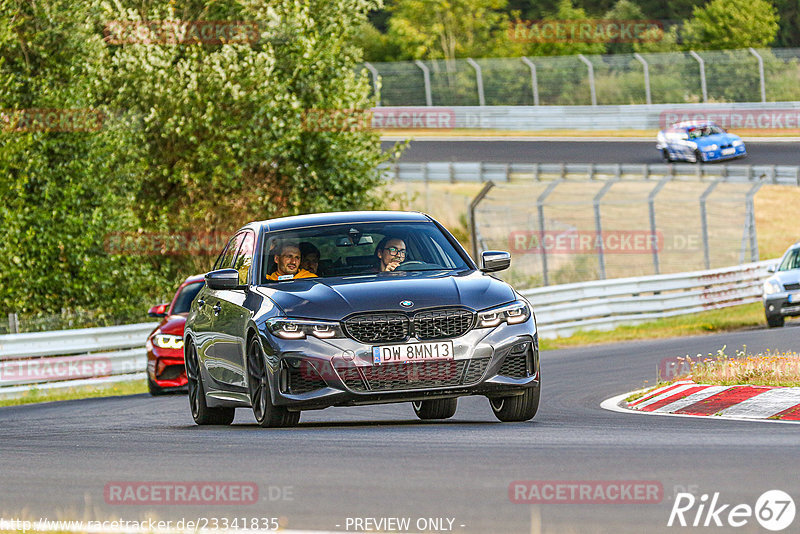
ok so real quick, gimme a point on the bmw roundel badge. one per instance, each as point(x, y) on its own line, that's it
point(406, 303)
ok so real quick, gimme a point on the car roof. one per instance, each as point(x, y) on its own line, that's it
point(194, 278)
point(340, 217)
point(693, 124)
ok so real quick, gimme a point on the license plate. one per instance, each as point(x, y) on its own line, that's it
point(728, 151)
point(412, 352)
point(794, 297)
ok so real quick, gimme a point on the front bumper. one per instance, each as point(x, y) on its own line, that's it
point(166, 367)
point(778, 304)
point(314, 374)
point(717, 155)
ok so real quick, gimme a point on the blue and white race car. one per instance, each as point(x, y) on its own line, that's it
point(697, 141)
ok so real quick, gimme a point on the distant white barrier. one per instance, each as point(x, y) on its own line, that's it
point(605, 304)
point(66, 358)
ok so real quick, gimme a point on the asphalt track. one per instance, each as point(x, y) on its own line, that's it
point(613, 151)
point(382, 462)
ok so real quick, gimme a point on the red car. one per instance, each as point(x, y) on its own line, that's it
point(165, 368)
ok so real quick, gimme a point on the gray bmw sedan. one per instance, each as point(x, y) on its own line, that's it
point(344, 309)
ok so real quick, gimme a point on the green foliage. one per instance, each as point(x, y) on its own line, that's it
point(449, 29)
point(731, 24)
point(565, 10)
point(197, 137)
point(61, 192)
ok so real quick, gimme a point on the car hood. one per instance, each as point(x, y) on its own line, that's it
point(717, 139)
point(787, 277)
point(173, 324)
point(336, 298)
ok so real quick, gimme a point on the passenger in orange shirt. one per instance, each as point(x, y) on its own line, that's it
point(287, 258)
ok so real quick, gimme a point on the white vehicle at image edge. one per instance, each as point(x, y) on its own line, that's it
point(698, 141)
point(782, 289)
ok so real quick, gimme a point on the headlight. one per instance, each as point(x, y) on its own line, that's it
point(772, 286)
point(514, 313)
point(711, 148)
point(288, 328)
point(168, 341)
point(738, 143)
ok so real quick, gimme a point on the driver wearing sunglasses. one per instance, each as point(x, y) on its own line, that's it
point(391, 252)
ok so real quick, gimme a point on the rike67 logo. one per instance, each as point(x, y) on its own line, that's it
point(774, 510)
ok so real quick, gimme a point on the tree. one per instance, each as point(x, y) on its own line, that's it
point(449, 29)
point(197, 136)
point(731, 24)
point(565, 11)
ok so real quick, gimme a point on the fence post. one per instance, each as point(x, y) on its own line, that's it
point(540, 212)
point(704, 222)
point(749, 236)
point(534, 80)
point(426, 74)
point(13, 323)
point(646, 69)
point(479, 80)
point(702, 74)
point(591, 77)
point(375, 84)
point(601, 260)
point(651, 205)
point(472, 224)
point(760, 73)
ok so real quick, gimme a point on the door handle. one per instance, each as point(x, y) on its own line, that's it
point(217, 308)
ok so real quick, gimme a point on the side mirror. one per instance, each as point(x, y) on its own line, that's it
point(494, 260)
point(223, 279)
point(159, 310)
point(772, 268)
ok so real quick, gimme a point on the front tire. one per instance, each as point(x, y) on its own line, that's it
point(154, 389)
point(665, 155)
point(518, 407)
point(436, 408)
point(775, 321)
point(201, 413)
point(267, 414)
point(698, 156)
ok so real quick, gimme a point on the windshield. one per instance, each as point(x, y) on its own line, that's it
point(791, 261)
point(357, 249)
point(183, 301)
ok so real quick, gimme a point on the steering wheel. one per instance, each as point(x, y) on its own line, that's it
point(412, 263)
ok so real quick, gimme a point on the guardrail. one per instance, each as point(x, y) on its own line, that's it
point(733, 116)
point(603, 305)
point(452, 171)
point(66, 358)
point(92, 356)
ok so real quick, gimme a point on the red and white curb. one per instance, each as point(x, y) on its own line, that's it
point(686, 398)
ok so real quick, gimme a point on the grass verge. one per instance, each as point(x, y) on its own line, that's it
point(709, 322)
point(83, 392)
point(781, 369)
